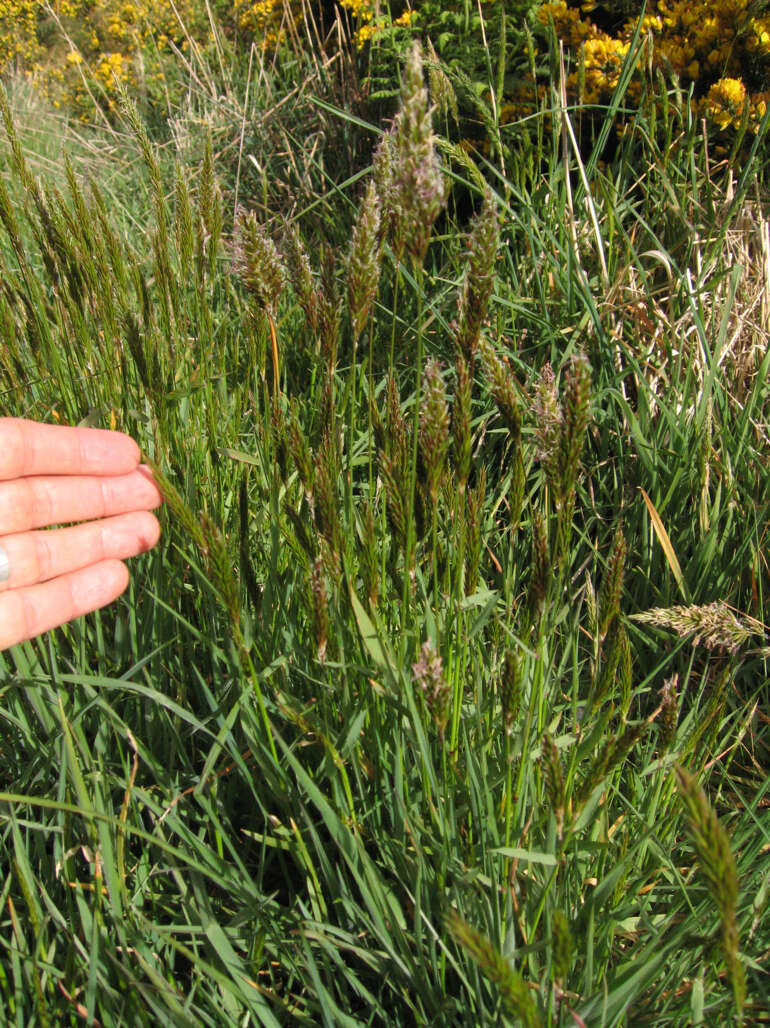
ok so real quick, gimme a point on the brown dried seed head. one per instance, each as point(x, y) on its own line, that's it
point(713, 625)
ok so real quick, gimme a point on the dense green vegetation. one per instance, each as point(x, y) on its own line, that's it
point(444, 698)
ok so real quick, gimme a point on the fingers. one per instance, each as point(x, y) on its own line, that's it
point(35, 557)
point(28, 448)
point(25, 613)
point(37, 502)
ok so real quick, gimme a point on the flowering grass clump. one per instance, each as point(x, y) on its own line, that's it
point(388, 722)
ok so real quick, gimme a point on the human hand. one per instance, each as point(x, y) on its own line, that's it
point(50, 475)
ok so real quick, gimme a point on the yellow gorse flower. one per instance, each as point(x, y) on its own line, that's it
point(715, 40)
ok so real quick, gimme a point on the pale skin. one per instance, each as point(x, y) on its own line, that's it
point(54, 475)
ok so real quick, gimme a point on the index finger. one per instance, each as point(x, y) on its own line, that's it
point(30, 448)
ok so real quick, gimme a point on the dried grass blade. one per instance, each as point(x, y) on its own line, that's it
point(665, 542)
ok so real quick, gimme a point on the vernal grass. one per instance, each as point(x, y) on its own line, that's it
point(377, 735)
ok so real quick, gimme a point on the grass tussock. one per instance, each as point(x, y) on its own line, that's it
point(383, 732)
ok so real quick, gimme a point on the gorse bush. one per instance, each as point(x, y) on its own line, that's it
point(81, 53)
point(720, 51)
point(440, 701)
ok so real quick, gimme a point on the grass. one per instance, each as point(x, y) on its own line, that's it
point(376, 737)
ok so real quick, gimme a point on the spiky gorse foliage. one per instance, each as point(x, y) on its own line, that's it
point(370, 23)
point(78, 52)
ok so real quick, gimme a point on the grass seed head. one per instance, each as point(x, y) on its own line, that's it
point(563, 943)
point(434, 427)
point(417, 190)
point(668, 714)
point(553, 778)
point(514, 991)
point(473, 303)
point(329, 308)
point(301, 452)
point(548, 417)
point(395, 496)
point(713, 625)
point(256, 261)
point(319, 607)
point(625, 673)
point(500, 382)
point(717, 865)
point(510, 689)
point(461, 422)
point(473, 513)
point(612, 586)
point(396, 424)
point(327, 515)
point(516, 492)
point(300, 275)
point(614, 751)
point(607, 669)
point(370, 565)
point(576, 407)
point(442, 91)
point(428, 675)
point(364, 261)
point(382, 175)
point(541, 566)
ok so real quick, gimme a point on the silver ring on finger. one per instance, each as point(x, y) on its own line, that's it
point(5, 567)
